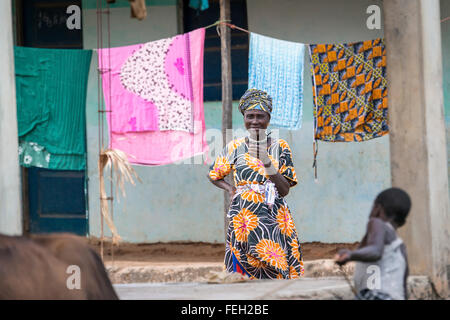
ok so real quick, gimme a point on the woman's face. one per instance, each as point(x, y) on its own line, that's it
point(256, 119)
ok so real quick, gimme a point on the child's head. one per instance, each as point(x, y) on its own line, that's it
point(394, 204)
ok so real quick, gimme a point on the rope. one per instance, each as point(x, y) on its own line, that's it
point(315, 141)
point(101, 110)
point(216, 23)
point(110, 121)
point(99, 102)
point(226, 23)
point(233, 26)
point(349, 282)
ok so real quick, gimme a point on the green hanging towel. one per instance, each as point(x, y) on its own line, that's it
point(51, 89)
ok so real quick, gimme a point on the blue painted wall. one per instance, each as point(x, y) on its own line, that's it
point(177, 203)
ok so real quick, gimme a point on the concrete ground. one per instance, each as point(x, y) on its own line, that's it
point(122, 272)
point(333, 288)
point(323, 280)
point(182, 271)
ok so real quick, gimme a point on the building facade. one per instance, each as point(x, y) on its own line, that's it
point(177, 202)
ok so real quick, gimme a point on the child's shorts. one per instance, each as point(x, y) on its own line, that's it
point(367, 294)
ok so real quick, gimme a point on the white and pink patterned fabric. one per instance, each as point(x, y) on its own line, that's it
point(155, 94)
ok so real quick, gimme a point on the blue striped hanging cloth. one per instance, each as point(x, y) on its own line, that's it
point(276, 66)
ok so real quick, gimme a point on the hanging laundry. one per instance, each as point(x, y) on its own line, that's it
point(138, 9)
point(350, 90)
point(276, 66)
point(167, 74)
point(130, 112)
point(199, 4)
point(51, 89)
point(149, 86)
point(32, 154)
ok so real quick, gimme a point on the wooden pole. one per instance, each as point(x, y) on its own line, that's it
point(227, 89)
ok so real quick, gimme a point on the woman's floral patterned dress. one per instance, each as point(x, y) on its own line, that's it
point(261, 239)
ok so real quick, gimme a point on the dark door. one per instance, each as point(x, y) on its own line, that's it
point(57, 202)
point(56, 199)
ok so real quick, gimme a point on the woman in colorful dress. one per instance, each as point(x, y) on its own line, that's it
point(261, 239)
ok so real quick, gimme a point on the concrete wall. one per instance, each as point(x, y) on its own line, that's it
point(10, 191)
point(176, 202)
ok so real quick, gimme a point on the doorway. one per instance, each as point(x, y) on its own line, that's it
point(53, 200)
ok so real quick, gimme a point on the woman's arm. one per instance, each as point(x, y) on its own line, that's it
point(219, 170)
point(222, 184)
point(281, 182)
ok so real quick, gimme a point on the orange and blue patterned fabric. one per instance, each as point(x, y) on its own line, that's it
point(350, 90)
point(261, 239)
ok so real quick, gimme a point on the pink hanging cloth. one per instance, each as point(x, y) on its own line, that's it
point(130, 112)
point(156, 99)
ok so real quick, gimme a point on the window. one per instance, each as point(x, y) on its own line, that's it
point(193, 19)
point(44, 24)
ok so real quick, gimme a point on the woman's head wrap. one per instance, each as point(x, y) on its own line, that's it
point(254, 99)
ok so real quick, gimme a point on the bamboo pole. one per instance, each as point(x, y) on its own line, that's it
point(227, 94)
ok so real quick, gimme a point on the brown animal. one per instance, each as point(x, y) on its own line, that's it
point(36, 267)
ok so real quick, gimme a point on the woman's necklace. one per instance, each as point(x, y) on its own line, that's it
point(257, 141)
point(268, 140)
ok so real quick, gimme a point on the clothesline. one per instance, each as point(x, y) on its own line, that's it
point(233, 26)
point(225, 22)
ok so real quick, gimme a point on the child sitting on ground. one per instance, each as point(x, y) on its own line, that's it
point(381, 268)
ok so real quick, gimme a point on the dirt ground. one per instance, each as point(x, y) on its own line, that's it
point(197, 251)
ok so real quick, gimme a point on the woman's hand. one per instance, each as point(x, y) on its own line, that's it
point(231, 191)
point(259, 151)
point(342, 257)
point(222, 184)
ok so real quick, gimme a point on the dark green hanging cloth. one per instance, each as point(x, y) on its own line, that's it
point(51, 87)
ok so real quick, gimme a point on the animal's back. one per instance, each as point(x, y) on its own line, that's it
point(36, 268)
point(74, 250)
point(29, 271)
